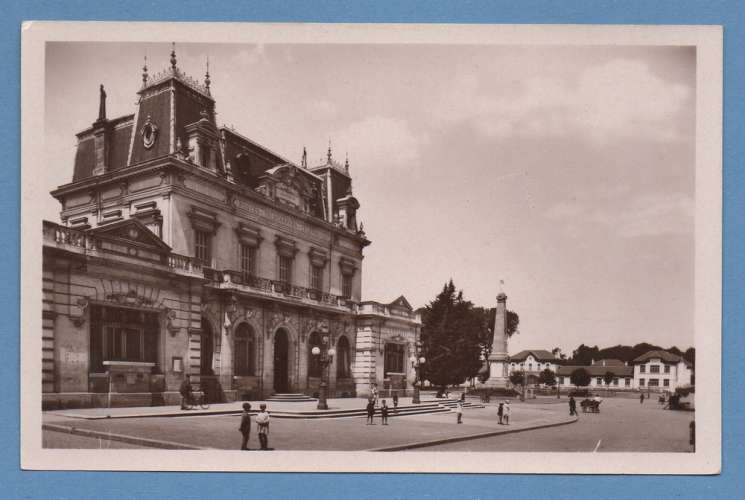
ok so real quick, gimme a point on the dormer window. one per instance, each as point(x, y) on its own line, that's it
point(204, 155)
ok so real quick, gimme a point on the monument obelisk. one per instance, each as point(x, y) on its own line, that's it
point(498, 358)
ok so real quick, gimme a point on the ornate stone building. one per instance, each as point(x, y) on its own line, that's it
point(188, 248)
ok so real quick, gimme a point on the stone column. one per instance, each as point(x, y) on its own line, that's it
point(499, 357)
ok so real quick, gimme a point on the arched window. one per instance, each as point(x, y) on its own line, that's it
point(245, 350)
point(342, 358)
point(314, 362)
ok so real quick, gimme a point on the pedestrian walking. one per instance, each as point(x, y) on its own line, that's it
point(395, 401)
point(641, 398)
point(384, 413)
point(370, 411)
point(572, 406)
point(459, 412)
point(375, 394)
point(262, 420)
point(500, 412)
point(507, 412)
point(185, 391)
point(245, 427)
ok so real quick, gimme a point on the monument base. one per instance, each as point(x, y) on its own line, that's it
point(495, 383)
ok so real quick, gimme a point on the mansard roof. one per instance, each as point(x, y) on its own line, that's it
point(121, 133)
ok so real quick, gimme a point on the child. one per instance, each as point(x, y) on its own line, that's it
point(459, 412)
point(245, 427)
point(370, 411)
point(507, 412)
point(262, 420)
point(384, 413)
point(500, 412)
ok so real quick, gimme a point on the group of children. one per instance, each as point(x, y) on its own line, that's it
point(262, 421)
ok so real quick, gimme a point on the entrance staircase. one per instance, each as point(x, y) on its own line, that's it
point(291, 398)
point(425, 407)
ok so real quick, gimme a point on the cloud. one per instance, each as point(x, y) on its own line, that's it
point(380, 139)
point(646, 215)
point(621, 98)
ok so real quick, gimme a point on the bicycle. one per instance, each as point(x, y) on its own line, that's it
point(198, 398)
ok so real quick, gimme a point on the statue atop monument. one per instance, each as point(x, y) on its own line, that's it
point(102, 104)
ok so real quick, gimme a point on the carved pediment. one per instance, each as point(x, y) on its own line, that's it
point(402, 303)
point(292, 186)
point(131, 232)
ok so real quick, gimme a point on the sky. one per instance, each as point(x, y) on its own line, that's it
point(565, 171)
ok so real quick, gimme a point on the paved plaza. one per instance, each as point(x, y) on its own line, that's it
point(537, 425)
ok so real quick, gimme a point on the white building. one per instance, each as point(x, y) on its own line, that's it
point(622, 374)
point(661, 371)
point(533, 362)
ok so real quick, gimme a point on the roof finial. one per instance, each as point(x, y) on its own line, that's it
point(304, 161)
point(207, 80)
point(346, 163)
point(144, 72)
point(173, 56)
point(328, 155)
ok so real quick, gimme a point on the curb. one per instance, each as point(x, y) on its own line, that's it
point(150, 443)
point(435, 442)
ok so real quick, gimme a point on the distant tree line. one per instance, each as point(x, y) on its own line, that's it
point(584, 355)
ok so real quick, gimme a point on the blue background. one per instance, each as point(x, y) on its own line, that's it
point(17, 484)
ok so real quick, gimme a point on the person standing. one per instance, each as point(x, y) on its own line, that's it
point(459, 412)
point(262, 420)
point(395, 401)
point(500, 412)
point(185, 391)
point(370, 411)
point(384, 413)
point(507, 412)
point(245, 427)
point(375, 394)
point(572, 406)
point(641, 398)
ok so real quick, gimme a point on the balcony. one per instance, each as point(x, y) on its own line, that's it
point(239, 281)
point(85, 243)
point(383, 310)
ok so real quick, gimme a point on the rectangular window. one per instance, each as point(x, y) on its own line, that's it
point(666, 382)
point(316, 277)
point(394, 358)
point(599, 381)
point(654, 382)
point(202, 246)
point(642, 368)
point(346, 286)
point(285, 269)
point(615, 381)
point(248, 260)
point(120, 334)
point(641, 382)
point(627, 382)
point(561, 380)
point(654, 369)
point(667, 368)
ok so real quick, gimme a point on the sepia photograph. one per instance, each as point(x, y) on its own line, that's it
point(371, 248)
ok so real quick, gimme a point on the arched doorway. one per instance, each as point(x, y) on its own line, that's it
point(206, 349)
point(281, 364)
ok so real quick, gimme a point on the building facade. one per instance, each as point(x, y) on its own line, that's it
point(532, 363)
point(661, 371)
point(623, 374)
point(186, 247)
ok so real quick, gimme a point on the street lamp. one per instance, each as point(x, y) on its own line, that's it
point(326, 357)
point(417, 360)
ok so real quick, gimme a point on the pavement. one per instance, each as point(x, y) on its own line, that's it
point(152, 427)
point(623, 425)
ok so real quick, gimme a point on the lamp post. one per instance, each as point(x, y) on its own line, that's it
point(326, 357)
point(417, 360)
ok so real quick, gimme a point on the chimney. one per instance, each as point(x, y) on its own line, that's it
point(101, 137)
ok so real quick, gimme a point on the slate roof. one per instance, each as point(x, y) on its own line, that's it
point(538, 354)
point(666, 357)
point(121, 132)
point(597, 371)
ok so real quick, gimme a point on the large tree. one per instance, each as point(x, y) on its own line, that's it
point(453, 335)
point(487, 315)
point(580, 377)
point(547, 377)
point(608, 377)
